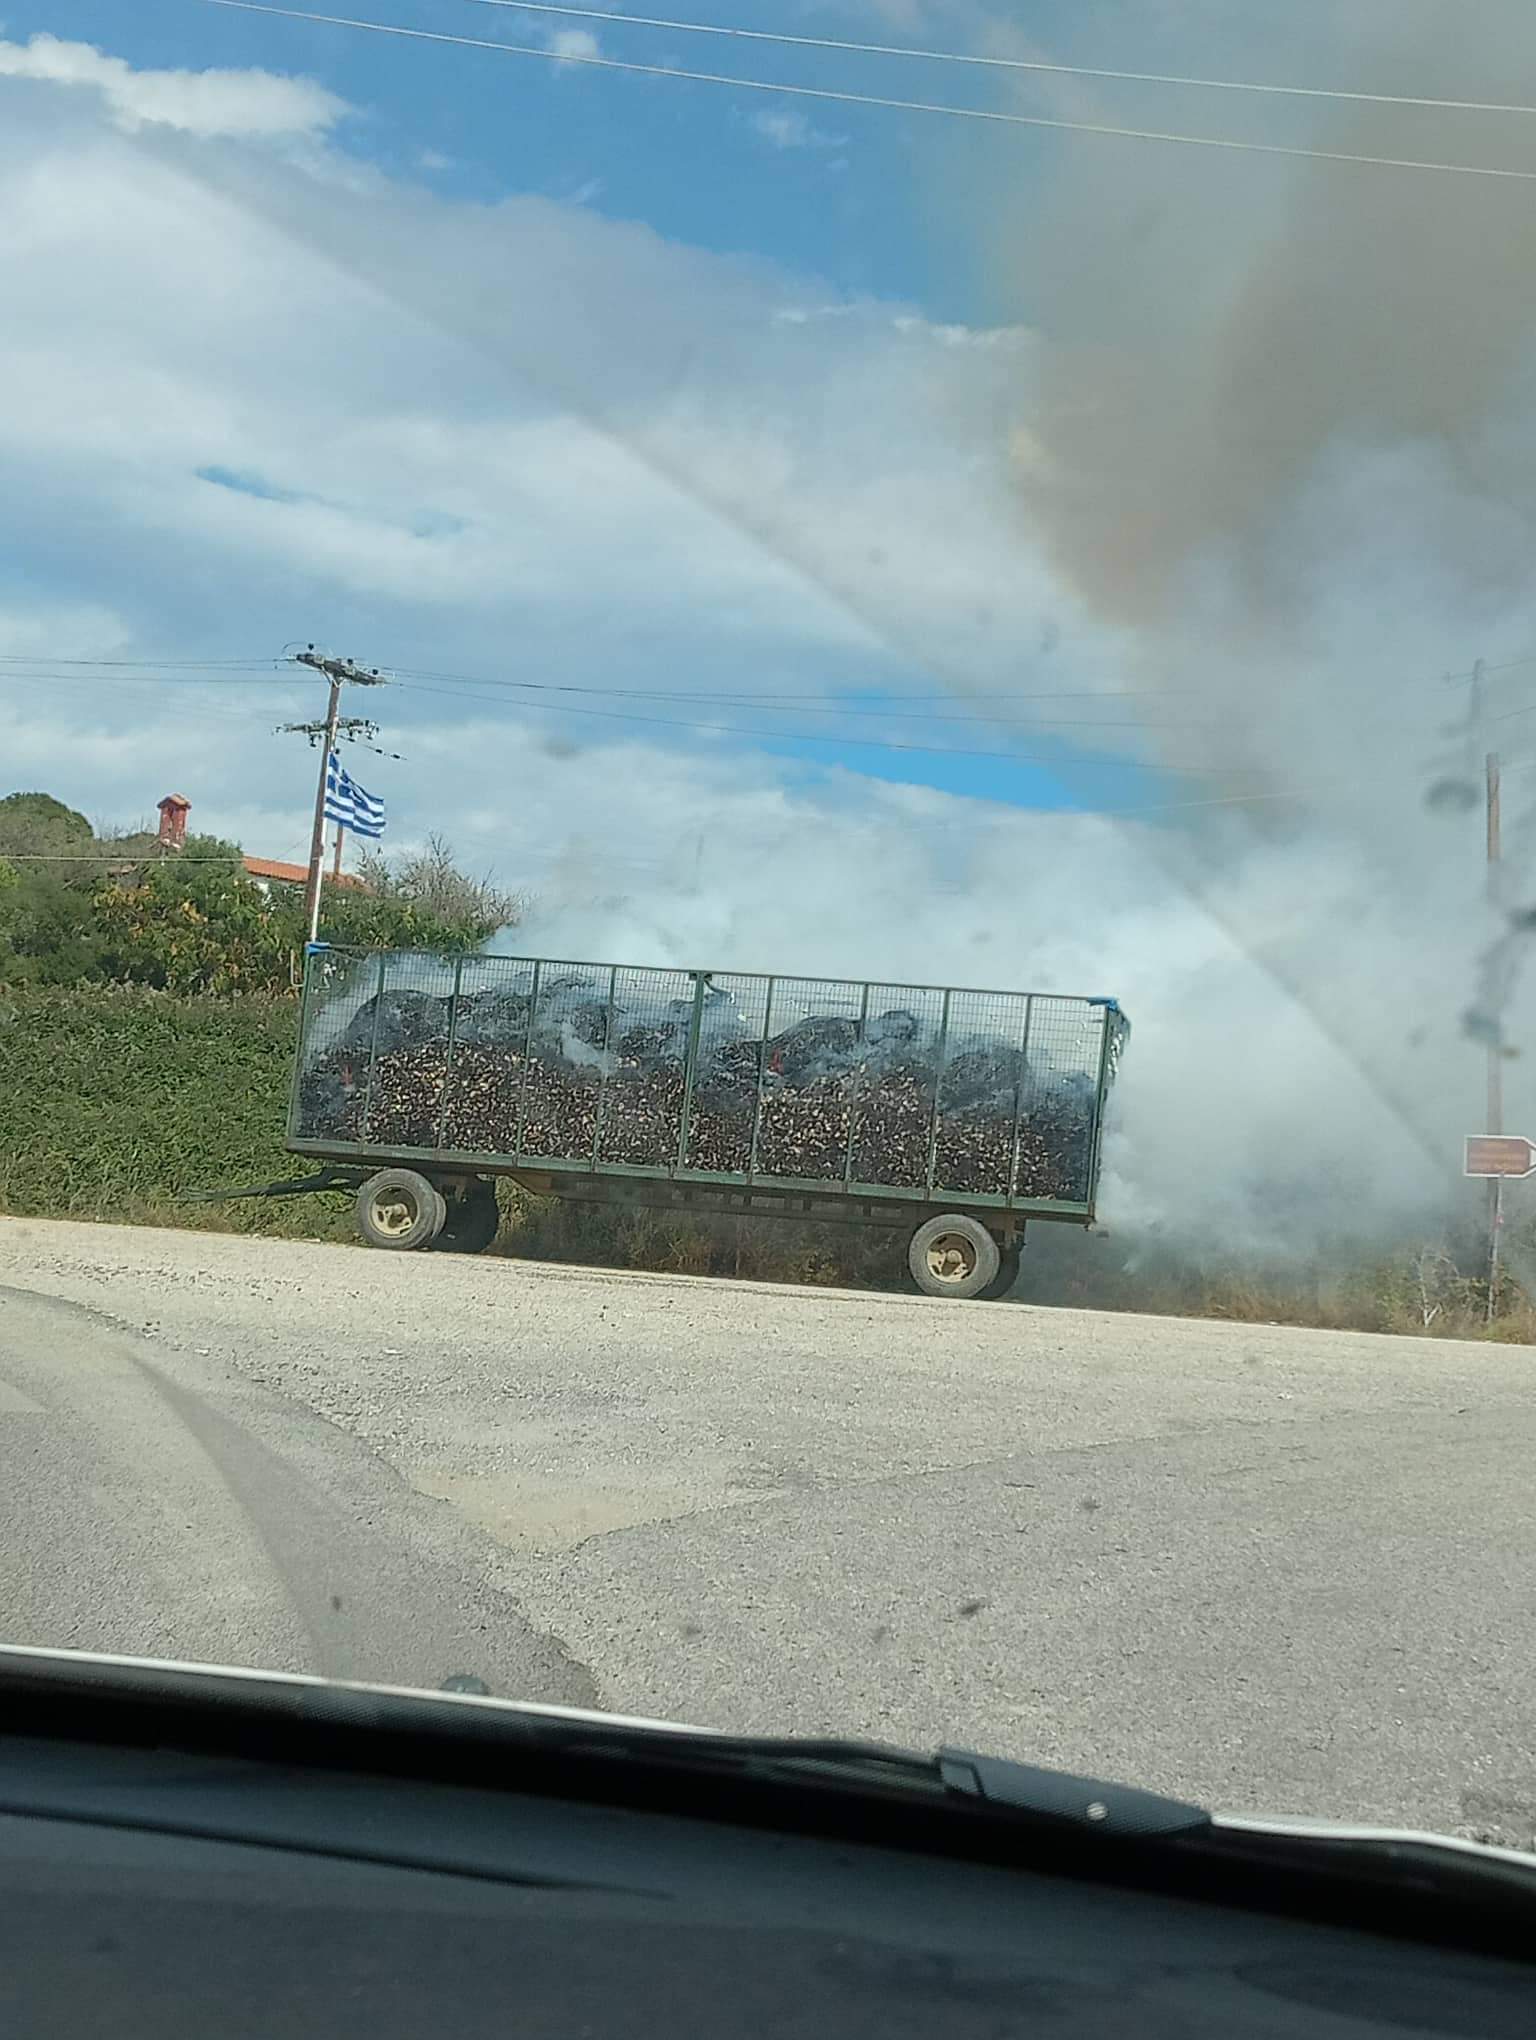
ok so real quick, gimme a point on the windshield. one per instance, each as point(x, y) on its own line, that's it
point(802, 736)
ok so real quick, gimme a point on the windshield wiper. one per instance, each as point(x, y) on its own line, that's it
point(951, 1775)
point(293, 1717)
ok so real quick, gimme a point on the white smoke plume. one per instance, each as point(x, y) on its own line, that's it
point(1277, 428)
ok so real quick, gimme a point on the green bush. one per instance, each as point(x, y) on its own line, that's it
point(115, 1100)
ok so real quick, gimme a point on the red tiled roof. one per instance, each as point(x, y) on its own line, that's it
point(294, 874)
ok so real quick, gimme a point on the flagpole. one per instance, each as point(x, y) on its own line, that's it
point(336, 867)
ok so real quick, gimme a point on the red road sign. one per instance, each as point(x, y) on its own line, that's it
point(1499, 1154)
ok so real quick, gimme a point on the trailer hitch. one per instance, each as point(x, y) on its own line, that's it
point(295, 1186)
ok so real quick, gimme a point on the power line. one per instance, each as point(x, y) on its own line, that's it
point(825, 93)
point(817, 695)
point(832, 706)
point(199, 665)
point(862, 707)
point(861, 703)
point(85, 675)
point(479, 687)
point(811, 697)
point(859, 699)
point(203, 713)
point(1474, 672)
point(831, 737)
point(823, 702)
point(863, 49)
point(808, 704)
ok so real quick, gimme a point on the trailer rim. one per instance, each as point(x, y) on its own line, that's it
point(399, 1209)
point(954, 1255)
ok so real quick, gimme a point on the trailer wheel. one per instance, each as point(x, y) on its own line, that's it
point(1007, 1275)
point(953, 1256)
point(473, 1221)
point(400, 1209)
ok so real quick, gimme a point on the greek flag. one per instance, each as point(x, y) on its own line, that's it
point(347, 803)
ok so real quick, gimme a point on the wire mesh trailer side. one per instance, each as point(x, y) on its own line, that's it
point(847, 1088)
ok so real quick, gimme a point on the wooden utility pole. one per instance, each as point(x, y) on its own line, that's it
point(317, 837)
point(340, 673)
point(1496, 1036)
point(1494, 1109)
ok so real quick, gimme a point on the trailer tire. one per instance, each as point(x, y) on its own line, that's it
point(1007, 1275)
point(400, 1209)
point(953, 1255)
point(473, 1221)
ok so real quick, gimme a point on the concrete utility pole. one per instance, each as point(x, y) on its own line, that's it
point(340, 673)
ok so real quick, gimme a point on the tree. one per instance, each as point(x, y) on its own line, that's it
point(35, 824)
point(75, 909)
point(46, 933)
point(197, 923)
point(431, 882)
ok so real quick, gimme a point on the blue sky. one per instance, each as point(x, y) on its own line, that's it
point(836, 232)
point(850, 202)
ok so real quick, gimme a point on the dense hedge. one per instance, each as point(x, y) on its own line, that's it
point(116, 1100)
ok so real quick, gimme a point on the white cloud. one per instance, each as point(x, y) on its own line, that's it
point(573, 46)
point(788, 128)
point(37, 629)
point(244, 104)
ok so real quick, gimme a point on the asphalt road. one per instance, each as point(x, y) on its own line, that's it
point(1264, 1567)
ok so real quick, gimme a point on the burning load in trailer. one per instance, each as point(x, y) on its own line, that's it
point(913, 1090)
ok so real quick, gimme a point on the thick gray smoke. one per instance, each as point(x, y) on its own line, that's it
point(1278, 429)
point(1247, 365)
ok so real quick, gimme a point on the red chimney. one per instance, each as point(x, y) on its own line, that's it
point(174, 810)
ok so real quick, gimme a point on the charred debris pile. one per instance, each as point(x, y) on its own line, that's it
point(826, 1099)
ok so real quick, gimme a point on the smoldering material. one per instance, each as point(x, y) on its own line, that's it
point(585, 1075)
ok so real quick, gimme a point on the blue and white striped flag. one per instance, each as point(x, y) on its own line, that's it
point(347, 803)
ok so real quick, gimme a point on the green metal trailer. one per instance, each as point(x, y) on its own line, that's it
point(952, 1115)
